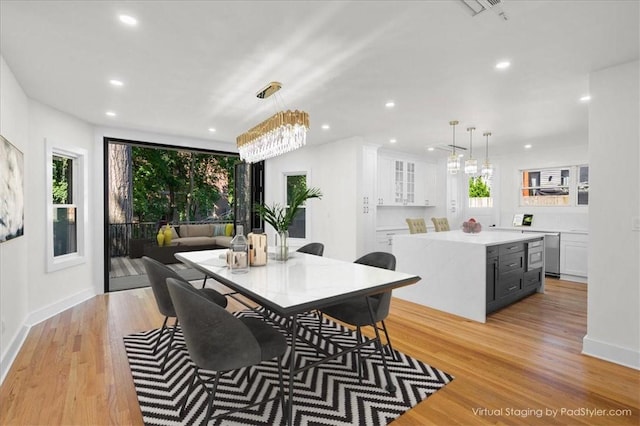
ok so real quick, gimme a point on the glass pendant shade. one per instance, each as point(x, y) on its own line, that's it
point(487, 169)
point(471, 166)
point(453, 164)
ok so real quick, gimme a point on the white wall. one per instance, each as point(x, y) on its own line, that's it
point(613, 313)
point(332, 168)
point(508, 169)
point(14, 126)
point(48, 289)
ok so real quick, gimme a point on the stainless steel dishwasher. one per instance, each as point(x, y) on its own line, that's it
point(552, 254)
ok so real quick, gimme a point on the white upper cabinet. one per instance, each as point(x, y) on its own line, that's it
point(404, 182)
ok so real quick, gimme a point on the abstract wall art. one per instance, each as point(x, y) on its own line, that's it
point(11, 191)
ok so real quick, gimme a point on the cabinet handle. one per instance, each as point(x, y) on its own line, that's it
point(512, 248)
point(513, 287)
point(512, 264)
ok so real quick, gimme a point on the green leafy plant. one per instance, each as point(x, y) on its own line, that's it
point(478, 188)
point(279, 216)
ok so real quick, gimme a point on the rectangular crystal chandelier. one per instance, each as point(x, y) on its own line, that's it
point(280, 133)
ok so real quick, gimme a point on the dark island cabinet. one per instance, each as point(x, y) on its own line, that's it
point(507, 277)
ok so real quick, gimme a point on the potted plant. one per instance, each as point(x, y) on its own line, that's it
point(280, 217)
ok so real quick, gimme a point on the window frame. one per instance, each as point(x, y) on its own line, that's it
point(572, 185)
point(80, 201)
point(304, 206)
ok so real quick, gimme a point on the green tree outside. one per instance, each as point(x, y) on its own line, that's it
point(478, 188)
point(179, 185)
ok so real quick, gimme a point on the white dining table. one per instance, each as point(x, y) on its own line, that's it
point(302, 283)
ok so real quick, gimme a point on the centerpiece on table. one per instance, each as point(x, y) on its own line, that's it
point(281, 217)
point(471, 226)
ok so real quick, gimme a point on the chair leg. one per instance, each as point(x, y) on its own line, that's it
point(386, 334)
point(204, 282)
point(157, 345)
point(359, 364)
point(319, 333)
point(211, 399)
point(186, 396)
point(390, 386)
point(169, 348)
point(282, 395)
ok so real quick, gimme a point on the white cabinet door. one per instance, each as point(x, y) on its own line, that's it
point(367, 219)
point(384, 239)
point(385, 181)
point(399, 179)
point(430, 188)
point(573, 255)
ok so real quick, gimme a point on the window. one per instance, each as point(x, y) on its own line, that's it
point(480, 192)
point(562, 186)
point(583, 185)
point(66, 207)
point(298, 228)
point(65, 237)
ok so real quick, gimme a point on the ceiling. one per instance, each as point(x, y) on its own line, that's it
point(193, 65)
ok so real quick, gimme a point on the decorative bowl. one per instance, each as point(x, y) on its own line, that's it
point(471, 227)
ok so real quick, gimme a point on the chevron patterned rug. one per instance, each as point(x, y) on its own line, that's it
point(329, 394)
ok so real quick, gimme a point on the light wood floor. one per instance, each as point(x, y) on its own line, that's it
point(518, 368)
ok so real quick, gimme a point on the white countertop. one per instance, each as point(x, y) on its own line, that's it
point(536, 229)
point(485, 238)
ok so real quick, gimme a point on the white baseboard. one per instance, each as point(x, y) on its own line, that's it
point(34, 318)
point(55, 308)
point(12, 352)
point(611, 353)
point(574, 278)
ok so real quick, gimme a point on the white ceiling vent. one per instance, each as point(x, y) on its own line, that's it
point(479, 6)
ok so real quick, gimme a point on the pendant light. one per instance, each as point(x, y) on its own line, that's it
point(487, 167)
point(471, 165)
point(453, 162)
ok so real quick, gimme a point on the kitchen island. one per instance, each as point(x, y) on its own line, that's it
point(470, 275)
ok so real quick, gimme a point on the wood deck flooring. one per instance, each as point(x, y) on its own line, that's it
point(524, 366)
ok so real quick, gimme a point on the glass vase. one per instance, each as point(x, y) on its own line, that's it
point(282, 245)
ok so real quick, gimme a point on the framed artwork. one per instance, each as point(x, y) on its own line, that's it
point(11, 191)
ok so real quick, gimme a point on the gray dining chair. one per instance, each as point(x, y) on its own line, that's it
point(312, 248)
point(355, 311)
point(158, 274)
point(220, 342)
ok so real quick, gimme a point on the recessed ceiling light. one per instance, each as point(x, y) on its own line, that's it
point(430, 148)
point(129, 20)
point(390, 104)
point(325, 127)
point(393, 140)
point(528, 146)
point(212, 130)
point(110, 113)
point(585, 98)
point(503, 65)
point(116, 83)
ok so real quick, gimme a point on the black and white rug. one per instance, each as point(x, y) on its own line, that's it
point(329, 394)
